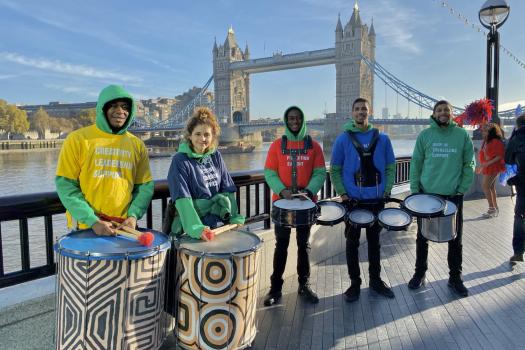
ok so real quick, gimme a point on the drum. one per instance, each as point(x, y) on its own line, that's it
point(394, 219)
point(294, 212)
point(110, 292)
point(424, 205)
point(217, 291)
point(361, 218)
point(443, 228)
point(331, 213)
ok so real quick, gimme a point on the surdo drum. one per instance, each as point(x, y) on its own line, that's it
point(294, 212)
point(110, 292)
point(217, 291)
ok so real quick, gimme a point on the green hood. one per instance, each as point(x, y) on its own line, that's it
point(184, 147)
point(110, 93)
point(302, 132)
point(350, 126)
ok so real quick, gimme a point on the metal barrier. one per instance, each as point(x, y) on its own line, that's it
point(253, 196)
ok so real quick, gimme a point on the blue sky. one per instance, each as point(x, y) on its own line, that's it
point(58, 50)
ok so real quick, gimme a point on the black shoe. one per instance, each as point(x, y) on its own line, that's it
point(380, 287)
point(516, 257)
point(458, 287)
point(352, 293)
point(307, 292)
point(272, 298)
point(416, 282)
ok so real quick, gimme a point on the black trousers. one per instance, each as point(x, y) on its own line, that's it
point(455, 246)
point(282, 240)
point(518, 234)
point(353, 234)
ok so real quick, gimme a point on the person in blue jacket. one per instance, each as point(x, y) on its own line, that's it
point(363, 172)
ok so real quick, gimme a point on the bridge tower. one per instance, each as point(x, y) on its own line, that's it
point(231, 87)
point(353, 78)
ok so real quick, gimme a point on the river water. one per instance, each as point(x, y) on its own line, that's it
point(34, 171)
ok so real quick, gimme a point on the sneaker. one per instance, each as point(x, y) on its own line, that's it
point(381, 287)
point(491, 213)
point(417, 282)
point(458, 287)
point(516, 257)
point(352, 293)
point(272, 298)
point(307, 292)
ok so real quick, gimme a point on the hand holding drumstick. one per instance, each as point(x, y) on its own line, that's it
point(209, 235)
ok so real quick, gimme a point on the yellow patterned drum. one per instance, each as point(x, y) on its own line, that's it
point(110, 292)
point(217, 291)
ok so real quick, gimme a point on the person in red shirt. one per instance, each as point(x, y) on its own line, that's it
point(294, 164)
point(492, 162)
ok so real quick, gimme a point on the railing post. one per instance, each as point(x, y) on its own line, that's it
point(48, 224)
point(24, 244)
point(267, 203)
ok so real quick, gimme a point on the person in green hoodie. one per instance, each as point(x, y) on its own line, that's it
point(294, 164)
point(363, 169)
point(103, 171)
point(442, 164)
point(200, 185)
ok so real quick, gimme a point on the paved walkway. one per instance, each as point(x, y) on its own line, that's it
point(492, 317)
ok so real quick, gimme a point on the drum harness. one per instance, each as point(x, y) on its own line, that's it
point(293, 153)
point(367, 175)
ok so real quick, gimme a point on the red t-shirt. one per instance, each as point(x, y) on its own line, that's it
point(282, 163)
point(490, 150)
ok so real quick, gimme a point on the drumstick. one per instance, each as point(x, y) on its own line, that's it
point(222, 229)
point(144, 238)
point(127, 228)
point(300, 195)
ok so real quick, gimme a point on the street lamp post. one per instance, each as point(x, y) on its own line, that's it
point(492, 15)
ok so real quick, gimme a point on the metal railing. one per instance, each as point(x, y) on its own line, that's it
point(253, 196)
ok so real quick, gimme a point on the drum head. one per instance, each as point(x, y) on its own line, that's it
point(332, 213)
point(394, 219)
point(294, 204)
point(86, 245)
point(451, 209)
point(361, 217)
point(424, 205)
point(233, 242)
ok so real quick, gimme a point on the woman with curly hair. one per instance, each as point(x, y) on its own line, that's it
point(492, 162)
point(200, 186)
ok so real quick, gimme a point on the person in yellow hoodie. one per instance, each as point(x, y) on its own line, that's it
point(103, 171)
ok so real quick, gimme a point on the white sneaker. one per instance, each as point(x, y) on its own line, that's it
point(492, 212)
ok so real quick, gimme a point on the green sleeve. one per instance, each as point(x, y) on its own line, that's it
point(336, 174)
point(469, 163)
point(416, 165)
point(73, 200)
point(191, 222)
point(236, 218)
point(273, 180)
point(317, 180)
point(141, 198)
point(390, 173)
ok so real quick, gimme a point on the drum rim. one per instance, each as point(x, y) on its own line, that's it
point(426, 214)
point(433, 240)
point(394, 227)
point(177, 242)
point(87, 255)
point(330, 222)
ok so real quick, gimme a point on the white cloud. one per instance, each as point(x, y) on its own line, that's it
point(66, 68)
point(511, 105)
point(72, 90)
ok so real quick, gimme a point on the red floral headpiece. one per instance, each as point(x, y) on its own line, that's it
point(477, 113)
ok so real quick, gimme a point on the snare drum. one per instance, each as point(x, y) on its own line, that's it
point(361, 218)
point(424, 205)
point(442, 228)
point(110, 292)
point(394, 219)
point(294, 212)
point(217, 291)
point(331, 213)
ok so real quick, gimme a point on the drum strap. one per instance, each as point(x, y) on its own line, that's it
point(293, 152)
point(367, 175)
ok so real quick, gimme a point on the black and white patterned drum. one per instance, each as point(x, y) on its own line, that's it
point(394, 219)
point(294, 212)
point(217, 291)
point(331, 213)
point(110, 292)
point(361, 218)
point(424, 205)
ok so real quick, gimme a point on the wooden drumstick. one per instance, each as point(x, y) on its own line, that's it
point(300, 195)
point(225, 228)
point(127, 229)
point(144, 238)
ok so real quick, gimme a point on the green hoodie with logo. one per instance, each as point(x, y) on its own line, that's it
point(102, 171)
point(443, 160)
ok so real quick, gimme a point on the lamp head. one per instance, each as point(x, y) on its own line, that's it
point(494, 13)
